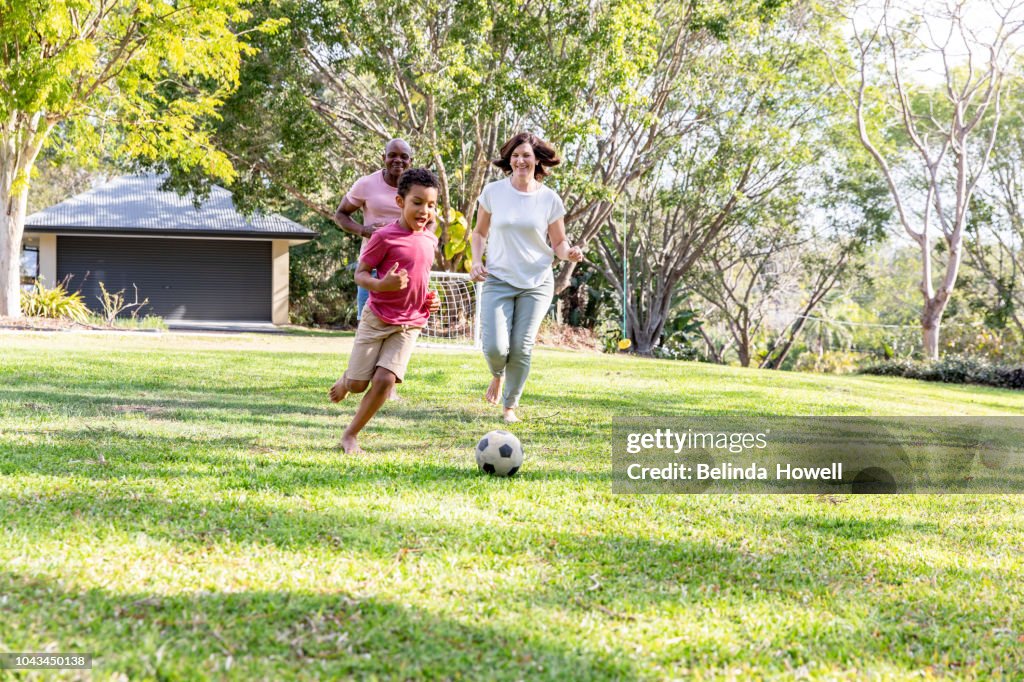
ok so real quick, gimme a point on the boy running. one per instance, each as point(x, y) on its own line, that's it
point(399, 302)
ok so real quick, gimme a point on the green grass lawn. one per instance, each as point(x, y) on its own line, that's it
point(178, 507)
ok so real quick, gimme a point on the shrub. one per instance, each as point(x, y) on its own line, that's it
point(954, 369)
point(829, 362)
point(115, 304)
point(322, 288)
point(55, 303)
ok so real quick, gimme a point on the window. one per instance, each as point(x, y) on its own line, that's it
point(29, 265)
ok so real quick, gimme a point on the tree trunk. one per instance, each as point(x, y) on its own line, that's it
point(713, 352)
point(10, 251)
point(564, 277)
point(643, 343)
point(646, 334)
point(931, 320)
point(743, 351)
point(20, 142)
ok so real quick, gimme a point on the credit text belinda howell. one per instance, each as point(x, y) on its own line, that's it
point(727, 471)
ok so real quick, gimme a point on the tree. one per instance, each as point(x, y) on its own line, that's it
point(994, 243)
point(926, 146)
point(132, 79)
point(849, 211)
point(747, 276)
point(654, 109)
point(741, 121)
point(453, 78)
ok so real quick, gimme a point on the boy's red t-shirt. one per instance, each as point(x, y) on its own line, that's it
point(412, 250)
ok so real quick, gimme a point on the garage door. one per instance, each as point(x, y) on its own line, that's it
point(184, 279)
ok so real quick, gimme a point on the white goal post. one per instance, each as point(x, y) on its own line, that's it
point(457, 323)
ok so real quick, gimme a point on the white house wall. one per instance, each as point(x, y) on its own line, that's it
point(279, 282)
point(48, 258)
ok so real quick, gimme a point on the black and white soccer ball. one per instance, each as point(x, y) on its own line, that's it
point(499, 453)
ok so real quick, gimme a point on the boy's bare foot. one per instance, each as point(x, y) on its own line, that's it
point(339, 390)
point(510, 415)
point(394, 394)
point(494, 391)
point(350, 445)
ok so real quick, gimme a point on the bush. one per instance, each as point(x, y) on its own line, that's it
point(322, 288)
point(115, 303)
point(829, 362)
point(56, 303)
point(954, 369)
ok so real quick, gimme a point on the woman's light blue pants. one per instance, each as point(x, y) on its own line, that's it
point(510, 318)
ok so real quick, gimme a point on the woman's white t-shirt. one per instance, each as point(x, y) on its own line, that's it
point(517, 242)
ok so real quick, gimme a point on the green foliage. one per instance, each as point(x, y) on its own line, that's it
point(453, 78)
point(968, 333)
point(954, 369)
point(456, 248)
point(127, 80)
point(322, 287)
point(829, 362)
point(589, 300)
point(155, 70)
point(681, 337)
point(55, 303)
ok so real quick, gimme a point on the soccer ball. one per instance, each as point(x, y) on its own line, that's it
point(499, 453)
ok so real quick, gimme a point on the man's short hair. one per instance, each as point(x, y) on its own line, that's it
point(416, 176)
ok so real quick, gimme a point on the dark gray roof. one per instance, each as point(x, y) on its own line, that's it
point(134, 204)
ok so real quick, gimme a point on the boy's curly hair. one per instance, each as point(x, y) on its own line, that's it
point(416, 176)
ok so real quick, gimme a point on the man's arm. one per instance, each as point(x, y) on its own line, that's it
point(343, 219)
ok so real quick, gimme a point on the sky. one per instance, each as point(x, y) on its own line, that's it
point(981, 19)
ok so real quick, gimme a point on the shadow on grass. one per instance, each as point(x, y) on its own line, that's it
point(610, 577)
point(217, 406)
point(245, 463)
point(281, 634)
point(852, 528)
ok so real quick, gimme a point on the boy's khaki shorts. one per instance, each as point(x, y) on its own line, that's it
point(379, 344)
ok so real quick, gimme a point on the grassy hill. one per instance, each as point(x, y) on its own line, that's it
point(178, 507)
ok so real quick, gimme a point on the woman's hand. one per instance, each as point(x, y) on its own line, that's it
point(478, 273)
point(575, 254)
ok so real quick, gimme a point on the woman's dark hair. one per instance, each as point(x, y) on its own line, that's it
point(546, 155)
point(416, 176)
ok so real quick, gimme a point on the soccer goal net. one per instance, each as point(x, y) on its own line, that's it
point(457, 323)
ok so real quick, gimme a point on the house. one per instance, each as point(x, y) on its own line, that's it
point(205, 263)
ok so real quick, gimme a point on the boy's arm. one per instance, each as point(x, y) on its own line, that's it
point(369, 259)
point(394, 280)
point(364, 278)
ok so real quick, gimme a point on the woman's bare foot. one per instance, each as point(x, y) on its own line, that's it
point(394, 394)
point(494, 391)
point(350, 445)
point(510, 415)
point(339, 390)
